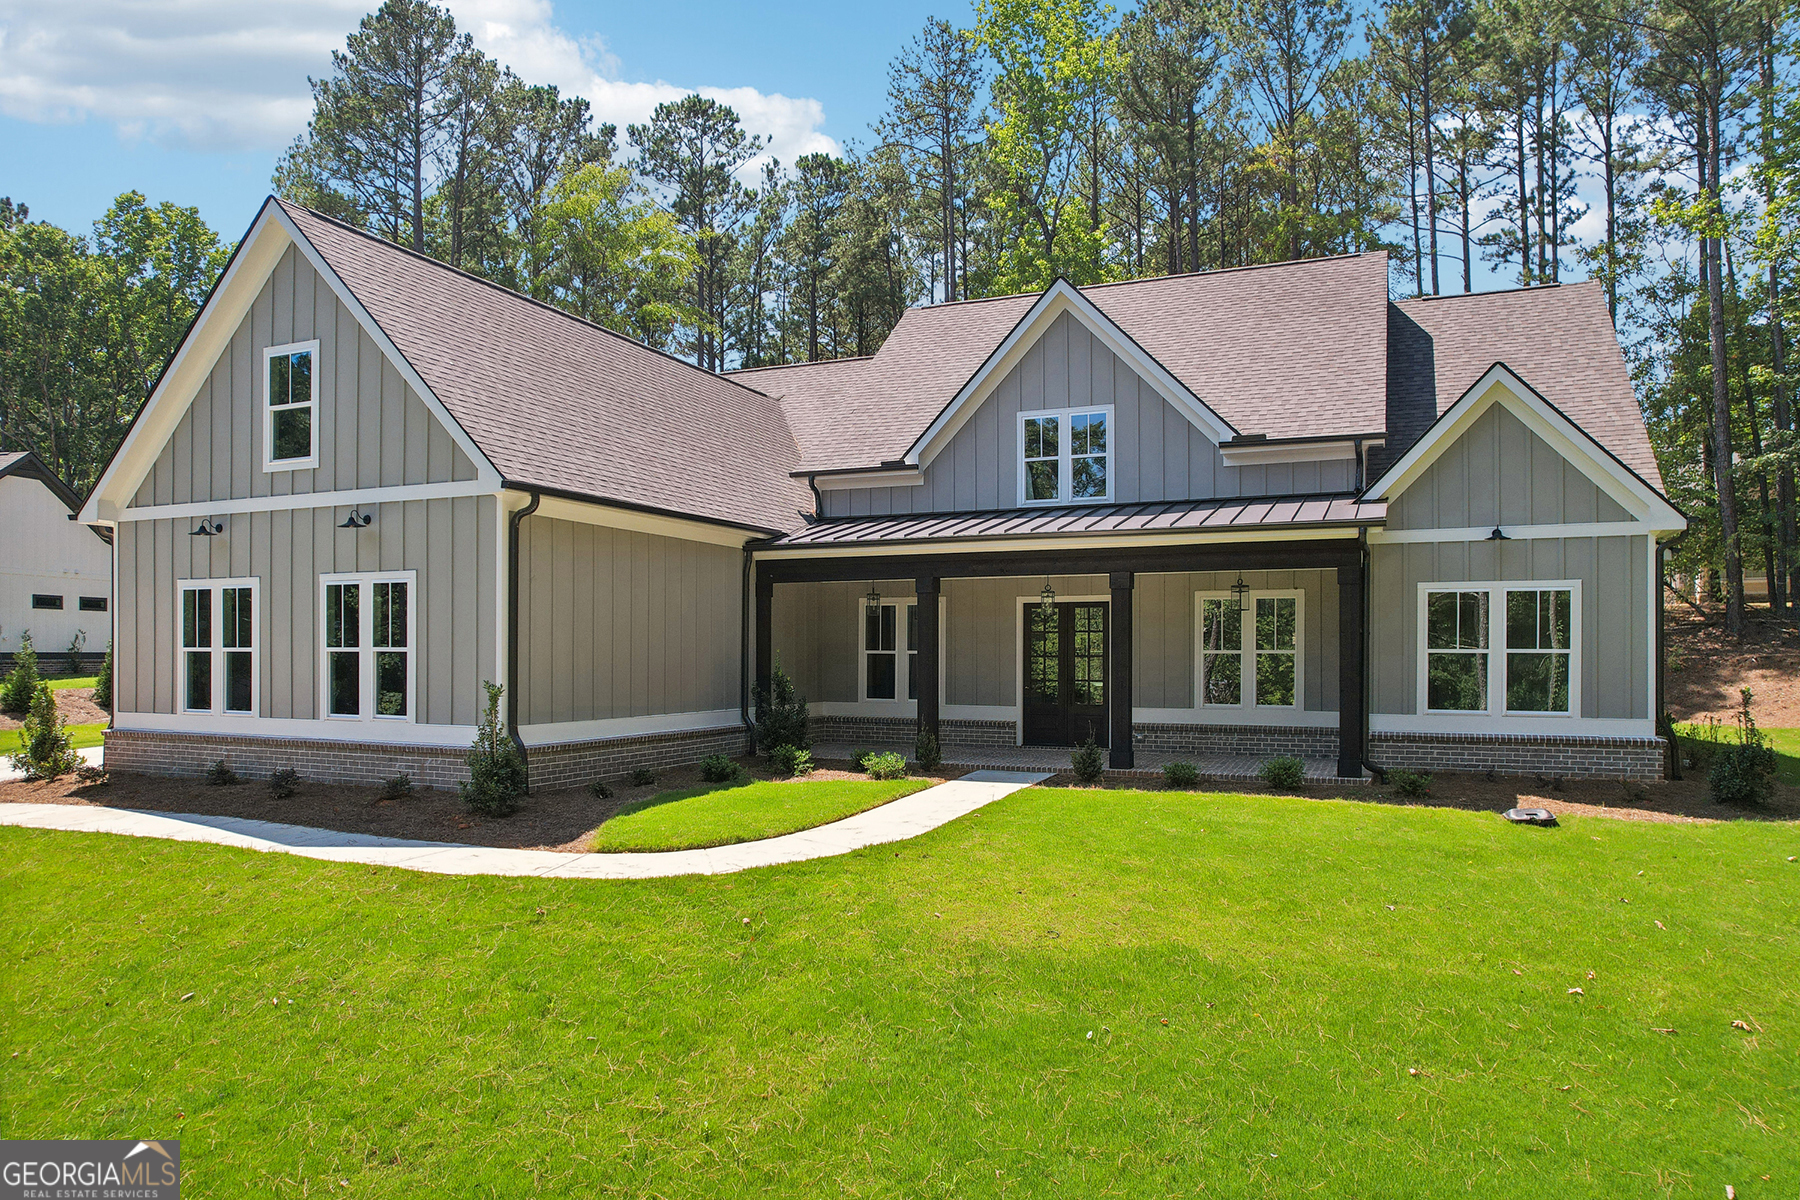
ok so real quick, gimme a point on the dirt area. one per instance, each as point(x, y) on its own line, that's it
point(559, 820)
point(76, 705)
point(1707, 666)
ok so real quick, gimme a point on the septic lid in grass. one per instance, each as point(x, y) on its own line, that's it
point(1530, 816)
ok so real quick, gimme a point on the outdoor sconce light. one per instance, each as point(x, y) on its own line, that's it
point(207, 528)
point(1047, 599)
point(357, 520)
point(873, 599)
point(1498, 536)
point(1239, 591)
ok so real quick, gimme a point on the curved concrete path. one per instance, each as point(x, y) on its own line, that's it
point(894, 821)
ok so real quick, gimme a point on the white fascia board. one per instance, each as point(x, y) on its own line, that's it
point(877, 477)
point(1501, 385)
point(1058, 298)
point(207, 337)
point(1255, 454)
point(560, 509)
point(485, 471)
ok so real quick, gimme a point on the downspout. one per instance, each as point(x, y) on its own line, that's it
point(1362, 541)
point(1662, 708)
point(812, 481)
point(512, 631)
point(746, 600)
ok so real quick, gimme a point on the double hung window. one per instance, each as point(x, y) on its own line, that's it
point(890, 646)
point(217, 667)
point(291, 418)
point(1065, 456)
point(366, 640)
point(1499, 648)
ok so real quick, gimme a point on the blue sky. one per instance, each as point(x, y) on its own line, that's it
point(193, 101)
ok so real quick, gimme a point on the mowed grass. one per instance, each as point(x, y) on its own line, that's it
point(72, 681)
point(80, 736)
point(722, 814)
point(1785, 743)
point(1069, 993)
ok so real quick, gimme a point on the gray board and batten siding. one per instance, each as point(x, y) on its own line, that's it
point(1157, 453)
point(817, 636)
point(448, 542)
point(374, 429)
point(616, 623)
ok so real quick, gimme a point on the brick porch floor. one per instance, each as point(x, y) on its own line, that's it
point(1217, 768)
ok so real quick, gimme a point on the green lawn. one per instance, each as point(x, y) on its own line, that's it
point(1785, 742)
point(73, 681)
point(82, 736)
point(979, 1012)
point(719, 815)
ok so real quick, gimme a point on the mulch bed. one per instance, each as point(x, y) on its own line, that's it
point(559, 820)
point(1707, 666)
point(76, 706)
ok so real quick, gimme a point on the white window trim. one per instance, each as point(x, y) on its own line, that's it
point(217, 649)
point(1496, 650)
point(1247, 705)
point(365, 616)
point(269, 462)
point(899, 705)
point(1065, 447)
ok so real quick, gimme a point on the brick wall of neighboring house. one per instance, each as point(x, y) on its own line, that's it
point(1521, 754)
point(569, 764)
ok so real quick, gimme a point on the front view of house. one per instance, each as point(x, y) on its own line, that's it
point(1251, 512)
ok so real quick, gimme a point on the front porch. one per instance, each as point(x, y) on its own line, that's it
point(953, 640)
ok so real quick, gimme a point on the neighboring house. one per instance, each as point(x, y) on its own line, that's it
point(1254, 511)
point(55, 573)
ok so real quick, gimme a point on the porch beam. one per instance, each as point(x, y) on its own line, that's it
point(1352, 676)
point(1324, 554)
point(1120, 756)
point(926, 589)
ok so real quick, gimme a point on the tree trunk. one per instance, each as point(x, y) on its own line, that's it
point(1430, 166)
point(1721, 410)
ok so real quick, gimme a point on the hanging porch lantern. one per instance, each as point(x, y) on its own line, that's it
point(873, 599)
point(1047, 599)
point(1239, 591)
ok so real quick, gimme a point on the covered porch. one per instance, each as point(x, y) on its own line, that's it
point(1010, 650)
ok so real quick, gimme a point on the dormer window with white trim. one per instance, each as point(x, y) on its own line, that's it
point(290, 416)
point(1065, 456)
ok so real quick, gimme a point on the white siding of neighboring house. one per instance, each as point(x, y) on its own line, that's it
point(42, 551)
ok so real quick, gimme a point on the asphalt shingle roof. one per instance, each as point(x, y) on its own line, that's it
point(556, 402)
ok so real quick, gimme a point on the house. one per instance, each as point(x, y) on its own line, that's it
point(55, 573)
point(1256, 511)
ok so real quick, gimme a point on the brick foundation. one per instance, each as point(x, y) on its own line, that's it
point(1521, 754)
point(1251, 741)
point(562, 765)
point(902, 731)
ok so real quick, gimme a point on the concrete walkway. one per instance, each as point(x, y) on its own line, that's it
point(92, 756)
point(894, 821)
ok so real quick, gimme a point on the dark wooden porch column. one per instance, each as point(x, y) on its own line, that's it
point(1121, 756)
point(927, 588)
point(1352, 686)
point(765, 634)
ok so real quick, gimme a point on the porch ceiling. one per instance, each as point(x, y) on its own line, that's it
point(1240, 516)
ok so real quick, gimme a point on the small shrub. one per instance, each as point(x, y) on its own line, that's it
point(77, 644)
point(885, 766)
point(1284, 772)
point(642, 777)
point(781, 713)
point(397, 788)
point(21, 684)
point(1410, 783)
point(791, 760)
point(220, 775)
point(496, 768)
point(284, 783)
point(926, 751)
point(599, 791)
point(44, 748)
point(1743, 773)
point(1180, 775)
point(103, 681)
point(859, 757)
point(1087, 761)
point(716, 768)
point(92, 775)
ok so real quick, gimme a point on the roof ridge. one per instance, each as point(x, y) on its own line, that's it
point(817, 362)
point(506, 291)
point(1511, 291)
point(1112, 283)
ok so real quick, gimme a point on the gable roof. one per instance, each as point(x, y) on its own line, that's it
point(1294, 349)
point(1559, 337)
point(27, 465)
point(561, 404)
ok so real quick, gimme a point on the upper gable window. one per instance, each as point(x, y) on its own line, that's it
point(291, 419)
point(1065, 456)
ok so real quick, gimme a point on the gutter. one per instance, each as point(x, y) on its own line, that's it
point(512, 631)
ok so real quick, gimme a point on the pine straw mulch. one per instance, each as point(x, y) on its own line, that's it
point(553, 820)
point(76, 706)
point(1707, 666)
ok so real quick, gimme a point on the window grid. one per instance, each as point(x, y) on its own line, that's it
point(368, 670)
point(1250, 659)
point(881, 650)
point(1065, 455)
point(216, 669)
point(1499, 649)
point(291, 433)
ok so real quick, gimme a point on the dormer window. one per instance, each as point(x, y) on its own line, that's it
point(1065, 456)
point(291, 420)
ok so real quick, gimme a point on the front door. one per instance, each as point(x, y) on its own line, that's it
point(1065, 674)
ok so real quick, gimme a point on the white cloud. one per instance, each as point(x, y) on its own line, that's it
point(229, 75)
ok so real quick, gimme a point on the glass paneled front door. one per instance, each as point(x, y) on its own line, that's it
point(1066, 678)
